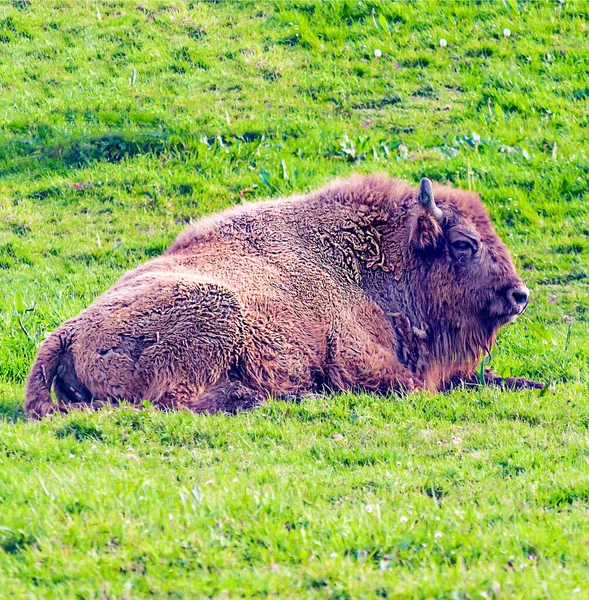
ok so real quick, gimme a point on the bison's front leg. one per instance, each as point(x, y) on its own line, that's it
point(365, 355)
point(489, 378)
point(511, 383)
point(373, 368)
point(227, 396)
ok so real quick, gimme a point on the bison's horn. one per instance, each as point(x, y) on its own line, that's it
point(426, 199)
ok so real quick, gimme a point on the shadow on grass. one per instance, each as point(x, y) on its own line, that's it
point(11, 401)
point(111, 147)
point(35, 154)
point(12, 411)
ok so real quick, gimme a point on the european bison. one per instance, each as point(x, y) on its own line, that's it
point(367, 284)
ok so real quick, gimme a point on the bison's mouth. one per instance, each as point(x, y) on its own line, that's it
point(509, 302)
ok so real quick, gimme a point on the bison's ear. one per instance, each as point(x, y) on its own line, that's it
point(426, 230)
point(426, 233)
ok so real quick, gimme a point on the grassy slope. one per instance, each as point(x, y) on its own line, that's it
point(448, 496)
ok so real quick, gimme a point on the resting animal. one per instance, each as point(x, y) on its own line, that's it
point(368, 284)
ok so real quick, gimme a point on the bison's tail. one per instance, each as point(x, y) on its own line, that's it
point(38, 401)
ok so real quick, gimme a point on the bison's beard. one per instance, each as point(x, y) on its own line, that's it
point(457, 348)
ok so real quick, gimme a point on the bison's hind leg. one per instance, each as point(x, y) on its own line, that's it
point(70, 393)
point(66, 385)
point(199, 332)
point(229, 396)
point(224, 396)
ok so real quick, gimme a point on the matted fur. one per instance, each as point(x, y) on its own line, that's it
point(354, 286)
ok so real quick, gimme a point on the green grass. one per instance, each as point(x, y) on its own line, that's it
point(119, 122)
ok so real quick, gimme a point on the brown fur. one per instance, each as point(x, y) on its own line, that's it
point(355, 286)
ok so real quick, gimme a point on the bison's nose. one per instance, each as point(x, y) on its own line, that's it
point(518, 297)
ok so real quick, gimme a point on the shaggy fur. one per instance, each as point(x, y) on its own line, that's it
point(356, 286)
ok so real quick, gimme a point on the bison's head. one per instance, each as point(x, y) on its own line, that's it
point(468, 286)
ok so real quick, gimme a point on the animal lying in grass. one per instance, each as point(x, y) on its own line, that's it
point(368, 284)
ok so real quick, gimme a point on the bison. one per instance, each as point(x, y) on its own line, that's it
point(367, 284)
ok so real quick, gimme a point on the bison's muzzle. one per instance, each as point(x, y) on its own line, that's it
point(511, 302)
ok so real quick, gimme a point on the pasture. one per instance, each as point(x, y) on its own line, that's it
point(120, 122)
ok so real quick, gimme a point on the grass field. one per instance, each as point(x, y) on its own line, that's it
point(119, 122)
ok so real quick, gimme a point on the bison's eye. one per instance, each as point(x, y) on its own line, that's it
point(463, 247)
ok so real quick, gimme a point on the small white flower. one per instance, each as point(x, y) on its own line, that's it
point(437, 535)
point(403, 519)
point(576, 590)
point(443, 43)
point(369, 508)
point(333, 555)
point(377, 53)
point(506, 32)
